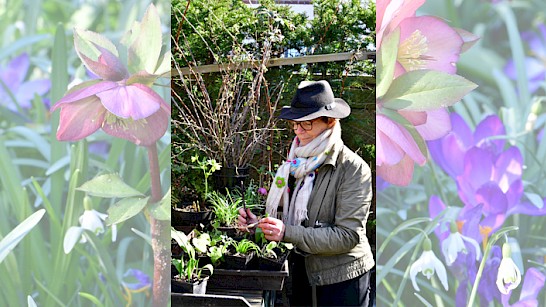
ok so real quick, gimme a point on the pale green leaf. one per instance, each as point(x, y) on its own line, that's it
point(109, 186)
point(16, 235)
point(423, 90)
point(85, 42)
point(145, 49)
point(386, 62)
point(125, 209)
point(162, 210)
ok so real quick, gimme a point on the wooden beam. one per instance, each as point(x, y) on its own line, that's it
point(333, 57)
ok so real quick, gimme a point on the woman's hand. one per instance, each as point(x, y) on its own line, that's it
point(246, 218)
point(272, 228)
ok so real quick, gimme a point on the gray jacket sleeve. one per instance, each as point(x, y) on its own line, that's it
point(352, 197)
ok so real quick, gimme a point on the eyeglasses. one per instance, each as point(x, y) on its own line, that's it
point(305, 125)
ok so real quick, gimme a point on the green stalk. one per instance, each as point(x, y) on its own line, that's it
point(160, 231)
point(490, 244)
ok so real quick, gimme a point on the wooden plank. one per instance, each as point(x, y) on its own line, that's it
point(333, 57)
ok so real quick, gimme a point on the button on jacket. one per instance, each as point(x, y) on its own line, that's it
point(334, 237)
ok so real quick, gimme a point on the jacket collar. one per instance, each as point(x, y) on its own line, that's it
point(333, 154)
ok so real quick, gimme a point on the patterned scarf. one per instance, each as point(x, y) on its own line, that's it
point(302, 163)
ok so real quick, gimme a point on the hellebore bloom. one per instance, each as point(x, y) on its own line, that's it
point(534, 64)
point(428, 263)
point(13, 78)
point(416, 58)
point(454, 244)
point(121, 102)
point(508, 276)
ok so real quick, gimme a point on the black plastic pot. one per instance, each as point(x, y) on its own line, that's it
point(231, 178)
point(186, 218)
point(237, 262)
point(198, 287)
point(272, 264)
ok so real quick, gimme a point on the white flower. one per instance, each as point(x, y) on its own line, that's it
point(509, 276)
point(454, 244)
point(428, 263)
point(91, 220)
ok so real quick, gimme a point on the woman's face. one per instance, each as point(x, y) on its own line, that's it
point(310, 129)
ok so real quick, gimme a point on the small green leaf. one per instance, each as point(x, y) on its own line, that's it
point(109, 186)
point(386, 62)
point(423, 90)
point(125, 209)
point(162, 210)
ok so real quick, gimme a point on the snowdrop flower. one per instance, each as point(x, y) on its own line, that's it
point(428, 263)
point(91, 220)
point(455, 243)
point(509, 276)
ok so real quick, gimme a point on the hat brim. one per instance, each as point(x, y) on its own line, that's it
point(340, 110)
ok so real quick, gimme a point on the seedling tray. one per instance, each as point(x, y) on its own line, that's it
point(248, 279)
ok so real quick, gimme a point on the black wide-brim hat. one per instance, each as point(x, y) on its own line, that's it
point(315, 99)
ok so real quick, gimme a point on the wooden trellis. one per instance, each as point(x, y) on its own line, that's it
point(333, 57)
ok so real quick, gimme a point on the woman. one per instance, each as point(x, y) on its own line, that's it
point(323, 194)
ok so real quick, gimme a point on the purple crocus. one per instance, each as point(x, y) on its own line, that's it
point(534, 65)
point(121, 102)
point(532, 284)
point(14, 90)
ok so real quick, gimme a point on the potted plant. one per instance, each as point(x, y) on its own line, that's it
point(226, 209)
point(196, 212)
point(190, 277)
point(272, 254)
point(239, 254)
point(230, 120)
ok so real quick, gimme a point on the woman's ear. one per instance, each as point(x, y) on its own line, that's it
point(331, 122)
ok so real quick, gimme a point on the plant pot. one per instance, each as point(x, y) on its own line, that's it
point(181, 286)
point(248, 279)
point(188, 218)
point(231, 178)
point(229, 231)
point(272, 264)
point(237, 262)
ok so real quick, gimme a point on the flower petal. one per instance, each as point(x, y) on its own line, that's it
point(143, 132)
point(80, 119)
point(85, 92)
point(135, 101)
point(72, 236)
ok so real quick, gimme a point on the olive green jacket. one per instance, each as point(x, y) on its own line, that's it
point(340, 200)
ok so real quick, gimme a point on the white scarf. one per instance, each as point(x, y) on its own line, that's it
point(302, 163)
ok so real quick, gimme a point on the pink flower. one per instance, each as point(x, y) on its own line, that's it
point(122, 104)
point(410, 109)
point(262, 191)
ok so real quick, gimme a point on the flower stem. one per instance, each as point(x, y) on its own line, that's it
point(490, 244)
point(160, 236)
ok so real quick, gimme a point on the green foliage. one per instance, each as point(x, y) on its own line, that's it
point(188, 265)
point(225, 207)
point(245, 246)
